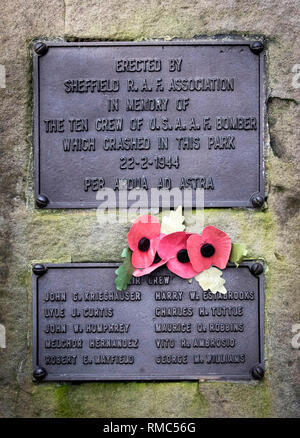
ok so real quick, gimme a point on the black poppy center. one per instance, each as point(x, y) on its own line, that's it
point(182, 256)
point(144, 244)
point(157, 259)
point(207, 250)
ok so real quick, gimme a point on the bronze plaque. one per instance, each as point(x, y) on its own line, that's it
point(149, 118)
point(161, 328)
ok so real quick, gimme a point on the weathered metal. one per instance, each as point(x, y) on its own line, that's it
point(145, 117)
point(161, 328)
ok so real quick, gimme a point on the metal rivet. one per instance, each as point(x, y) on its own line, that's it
point(39, 374)
point(40, 48)
point(257, 200)
point(257, 269)
point(257, 47)
point(39, 270)
point(42, 201)
point(257, 372)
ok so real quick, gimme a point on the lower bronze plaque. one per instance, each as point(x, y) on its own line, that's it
point(161, 328)
point(153, 116)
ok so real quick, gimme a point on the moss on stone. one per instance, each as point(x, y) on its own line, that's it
point(236, 400)
point(62, 406)
point(154, 399)
point(120, 399)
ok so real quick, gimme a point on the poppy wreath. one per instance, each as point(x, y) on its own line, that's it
point(185, 254)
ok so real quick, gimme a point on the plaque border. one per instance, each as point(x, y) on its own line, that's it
point(182, 377)
point(207, 204)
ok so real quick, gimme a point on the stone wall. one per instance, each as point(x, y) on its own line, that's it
point(28, 234)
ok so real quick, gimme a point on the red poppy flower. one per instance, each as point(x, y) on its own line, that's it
point(143, 240)
point(157, 262)
point(173, 248)
point(212, 247)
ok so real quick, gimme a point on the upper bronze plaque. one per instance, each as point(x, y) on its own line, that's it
point(158, 116)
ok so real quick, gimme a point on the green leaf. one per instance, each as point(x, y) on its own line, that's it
point(173, 222)
point(125, 271)
point(238, 253)
point(210, 279)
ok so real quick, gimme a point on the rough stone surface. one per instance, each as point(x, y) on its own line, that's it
point(28, 235)
point(145, 19)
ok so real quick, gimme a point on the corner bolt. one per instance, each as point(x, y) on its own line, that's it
point(257, 200)
point(39, 270)
point(40, 48)
point(42, 201)
point(257, 372)
point(257, 269)
point(256, 47)
point(39, 374)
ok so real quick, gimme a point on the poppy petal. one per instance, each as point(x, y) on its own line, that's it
point(145, 271)
point(218, 239)
point(222, 244)
point(194, 244)
point(144, 259)
point(183, 270)
point(171, 244)
point(140, 230)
